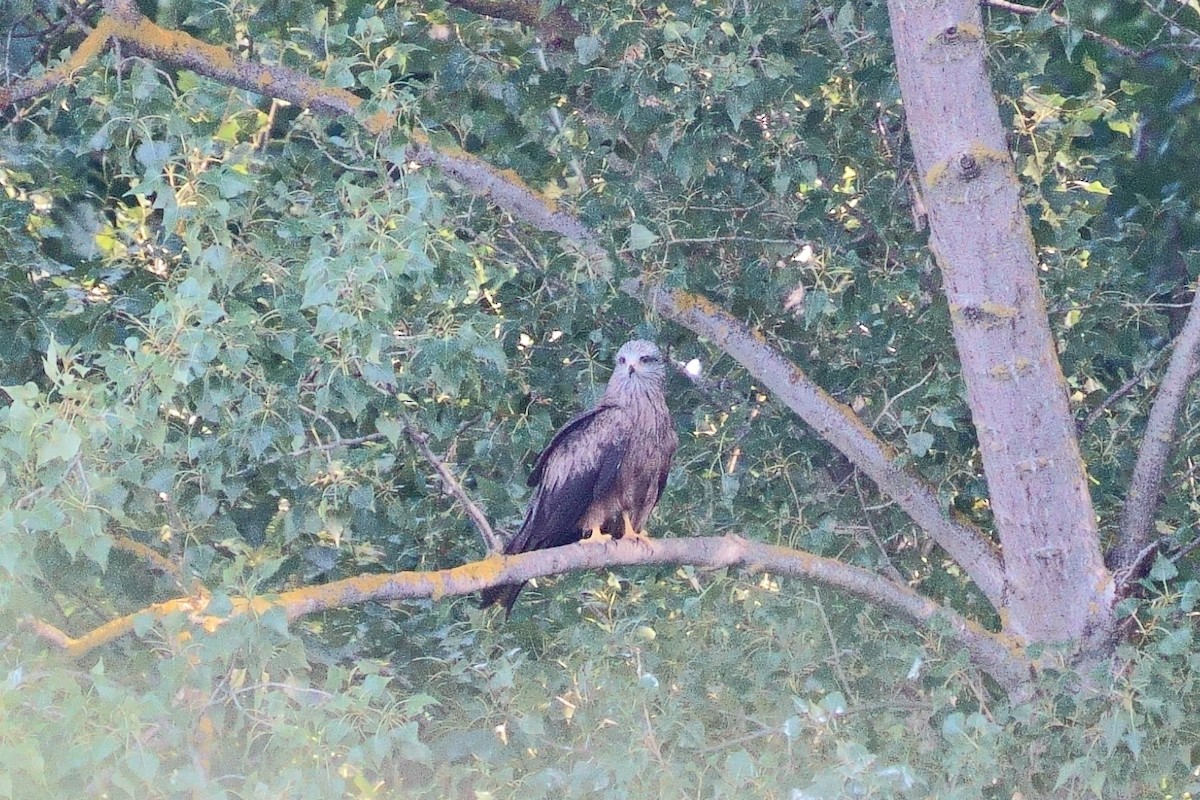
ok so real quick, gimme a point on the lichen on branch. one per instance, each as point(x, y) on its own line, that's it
point(992, 652)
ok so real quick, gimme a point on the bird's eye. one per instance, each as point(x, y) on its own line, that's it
point(650, 359)
point(621, 360)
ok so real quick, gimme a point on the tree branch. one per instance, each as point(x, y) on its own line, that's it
point(139, 35)
point(1060, 20)
point(837, 424)
point(452, 486)
point(1056, 587)
point(1141, 501)
point(991, 652)
point(510, 193)
point(555, 28)
point(152, 557)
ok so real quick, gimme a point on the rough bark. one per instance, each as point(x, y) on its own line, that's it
point(1057, 589)
point(1141, 501)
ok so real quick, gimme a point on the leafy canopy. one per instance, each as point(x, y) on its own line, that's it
point(222, 312)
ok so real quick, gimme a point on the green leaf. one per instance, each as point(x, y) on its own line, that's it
point(62, 444)
point(942, 418)
point(1175, 642)
point(143, 763)
point(588, 49)
point(1163, 570)
point(739, 766)
point(919, 443)
point(640, 237)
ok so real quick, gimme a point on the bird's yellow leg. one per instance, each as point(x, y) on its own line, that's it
point(632, 533)
point(596, 536)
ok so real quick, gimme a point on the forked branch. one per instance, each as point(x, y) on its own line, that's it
point(837, 424)
point(139, 35)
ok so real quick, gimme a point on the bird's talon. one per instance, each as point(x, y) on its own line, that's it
point(596, 536)
point(640, 538)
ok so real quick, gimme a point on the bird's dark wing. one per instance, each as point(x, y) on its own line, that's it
point(580, 465)
point(573, 427)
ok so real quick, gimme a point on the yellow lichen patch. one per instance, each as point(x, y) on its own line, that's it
point(1000, 372)
point(988, 314)
point(379, 122)
point(260, 605)
point(685, 302)
point(977, 155)
point(91, 46)
point(512, 177)
point(486, 570)
point(961, 33)
point(438, 579)
point(935, 174)
point(998, 310)
point(954, 41)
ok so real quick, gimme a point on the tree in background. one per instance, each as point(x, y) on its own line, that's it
point(294, 290)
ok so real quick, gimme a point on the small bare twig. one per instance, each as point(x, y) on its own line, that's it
point(834, 651)
point(1124, 389)
point(1059, 19)
point(887, 405)
point(452, 486)
point(1183, 551)
point(335, 444)
point(889, 569)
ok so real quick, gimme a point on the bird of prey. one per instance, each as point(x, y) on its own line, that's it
point(604, 471)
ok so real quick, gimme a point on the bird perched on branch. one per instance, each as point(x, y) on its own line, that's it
point(604, 471)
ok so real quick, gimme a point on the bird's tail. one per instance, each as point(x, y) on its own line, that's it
point(505, 594)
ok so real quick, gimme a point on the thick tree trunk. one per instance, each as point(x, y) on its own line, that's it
point(1057, 589)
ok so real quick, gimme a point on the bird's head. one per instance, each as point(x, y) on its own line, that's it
point(639, 362)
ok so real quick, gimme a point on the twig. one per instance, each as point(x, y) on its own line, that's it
point(354, 441)
point(889, 568)
point(1187, 548)
point(834, 650)
point(730, 238)
point(888, 403)
point(1127, 578)
point(1059, 19)
point(452, 486)
point(1158, 443)
point(1124, 388)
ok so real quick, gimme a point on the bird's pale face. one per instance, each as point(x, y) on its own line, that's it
point(639, 360)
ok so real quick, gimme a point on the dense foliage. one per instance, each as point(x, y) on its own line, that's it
point(222, 312)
